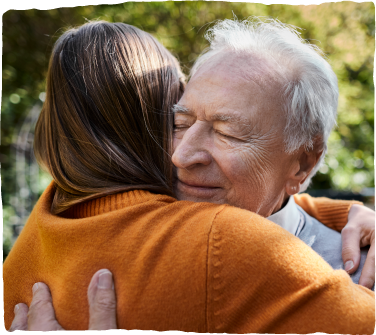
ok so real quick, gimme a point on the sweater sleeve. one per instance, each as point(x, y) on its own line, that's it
point(332, 213)
point(260, 279)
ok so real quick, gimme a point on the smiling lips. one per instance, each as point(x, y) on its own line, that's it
point(196, 190)
point(192, 184)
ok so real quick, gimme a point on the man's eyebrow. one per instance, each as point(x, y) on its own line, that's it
point(180, 109)
point(225, 117)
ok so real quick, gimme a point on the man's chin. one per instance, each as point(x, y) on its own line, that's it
point(189, 197)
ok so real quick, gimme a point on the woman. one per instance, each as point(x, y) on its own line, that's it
point(104, 134)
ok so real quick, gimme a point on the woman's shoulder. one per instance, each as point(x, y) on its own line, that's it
point(232, 221)
point(245, 245)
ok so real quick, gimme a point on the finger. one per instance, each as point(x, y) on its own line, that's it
point(367, 277)
point(41, 314)
point(20, 318)
point(350, 248)
point(92, 289)
point(102, 301)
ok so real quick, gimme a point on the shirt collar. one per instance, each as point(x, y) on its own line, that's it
point(288, 217)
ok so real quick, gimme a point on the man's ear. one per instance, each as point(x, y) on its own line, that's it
point(307, 158)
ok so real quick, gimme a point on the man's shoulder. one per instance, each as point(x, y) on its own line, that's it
point(316, 234)
point(325, 241)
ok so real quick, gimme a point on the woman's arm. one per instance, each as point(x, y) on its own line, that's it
point(261, 279)
point(332, 213)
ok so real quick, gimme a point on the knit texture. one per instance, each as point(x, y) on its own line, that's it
point(332, 213)
point(179, 265)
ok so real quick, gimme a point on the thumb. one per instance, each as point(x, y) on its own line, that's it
point(350, 248)
point(102, 301)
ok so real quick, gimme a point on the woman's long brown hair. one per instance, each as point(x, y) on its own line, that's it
point(106, 124)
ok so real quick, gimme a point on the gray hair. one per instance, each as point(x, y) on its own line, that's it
point(309, 89)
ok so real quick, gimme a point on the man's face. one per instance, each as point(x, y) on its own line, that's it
point(228, 139)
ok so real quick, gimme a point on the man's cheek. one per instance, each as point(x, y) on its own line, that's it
point(250, 169)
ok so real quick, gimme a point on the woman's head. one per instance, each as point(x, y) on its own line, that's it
point(106, 123)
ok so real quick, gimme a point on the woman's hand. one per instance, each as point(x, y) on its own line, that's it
point(41, 314)
point(359, 232)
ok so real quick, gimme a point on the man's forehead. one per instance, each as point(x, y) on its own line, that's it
point(224, 90)
point(240, 65)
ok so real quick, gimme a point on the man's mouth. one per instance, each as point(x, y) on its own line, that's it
point(197, 190)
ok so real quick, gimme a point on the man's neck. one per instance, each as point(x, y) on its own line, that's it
point(288, 216)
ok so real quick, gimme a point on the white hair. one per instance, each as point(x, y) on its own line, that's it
point(309, 89)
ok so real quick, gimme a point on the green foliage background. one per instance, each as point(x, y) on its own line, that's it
point(344, 31)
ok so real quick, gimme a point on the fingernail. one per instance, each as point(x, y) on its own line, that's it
point(349, 265)
point(16, 308)
point(35, 287)
point(105, 280)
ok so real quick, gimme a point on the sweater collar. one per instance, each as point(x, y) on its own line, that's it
point(113, 202)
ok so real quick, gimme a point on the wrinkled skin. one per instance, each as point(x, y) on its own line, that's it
point(228, 139)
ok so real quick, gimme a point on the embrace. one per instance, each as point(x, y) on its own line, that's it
point(188, 193)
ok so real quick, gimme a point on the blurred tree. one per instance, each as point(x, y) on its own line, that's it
point(344, 31)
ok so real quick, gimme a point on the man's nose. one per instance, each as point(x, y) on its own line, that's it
point(193, 148)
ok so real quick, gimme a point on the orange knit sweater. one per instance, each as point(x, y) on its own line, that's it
point(184, 266)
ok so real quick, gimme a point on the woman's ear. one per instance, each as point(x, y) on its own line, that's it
point(307, 158)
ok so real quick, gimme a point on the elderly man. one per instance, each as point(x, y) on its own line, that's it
point(252, 126)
